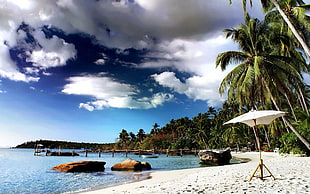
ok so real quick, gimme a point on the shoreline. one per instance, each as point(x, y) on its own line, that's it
point(291, 175)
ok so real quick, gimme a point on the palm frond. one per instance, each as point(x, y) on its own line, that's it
point(230, 57)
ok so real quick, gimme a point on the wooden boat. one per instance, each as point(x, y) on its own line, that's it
point(150, 156)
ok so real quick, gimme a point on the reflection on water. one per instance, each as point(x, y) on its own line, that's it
point(22, 172)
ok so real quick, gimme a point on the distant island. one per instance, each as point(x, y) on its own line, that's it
point(51, 144)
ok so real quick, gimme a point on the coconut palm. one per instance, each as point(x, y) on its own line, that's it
point(155, 129)
point(295, 7)
point(292, 12)
point(140, 135)
point(261, 73)
point(201, 123)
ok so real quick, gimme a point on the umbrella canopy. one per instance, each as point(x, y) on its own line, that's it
point(257, 117)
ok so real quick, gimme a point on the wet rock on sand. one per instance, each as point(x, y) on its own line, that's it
point(81, 166)
point(130, 164)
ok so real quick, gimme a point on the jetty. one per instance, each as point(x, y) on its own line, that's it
point(40, 150)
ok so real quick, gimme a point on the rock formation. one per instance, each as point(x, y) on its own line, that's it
point(130, 164)
point(81, 166)
point(214, 158)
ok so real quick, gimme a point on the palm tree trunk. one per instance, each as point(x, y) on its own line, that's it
point(302, 139)
point(293, 29)
point(267, 136)
point(291, 107)
point(303, 101)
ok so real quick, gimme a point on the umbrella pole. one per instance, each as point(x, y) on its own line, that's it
point(260, 165)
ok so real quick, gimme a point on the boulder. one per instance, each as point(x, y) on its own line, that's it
point(130, 164)
point(214, 158)
point(81, 166)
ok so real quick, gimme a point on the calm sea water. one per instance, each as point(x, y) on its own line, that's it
point(22, 172)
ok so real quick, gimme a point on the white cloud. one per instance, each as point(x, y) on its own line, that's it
point(8, 68)
point(86, 106)
point(197, 58)
point(99, 87)
point(196, 87)
point(23, 4)
point(55, 52)
point(110, 93)
point(46, 73)
point(100, 61)
point(31, 70)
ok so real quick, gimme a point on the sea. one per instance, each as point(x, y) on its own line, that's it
point(22, 172)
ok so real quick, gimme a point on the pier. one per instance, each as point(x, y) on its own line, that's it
point(41, 151)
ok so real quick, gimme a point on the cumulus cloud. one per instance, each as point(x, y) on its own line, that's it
point(197, 58)
point(196, 87)
point(54, 52)
point(110, 93)
point(8, 68)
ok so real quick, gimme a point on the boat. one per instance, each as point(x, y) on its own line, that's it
point(150, 156)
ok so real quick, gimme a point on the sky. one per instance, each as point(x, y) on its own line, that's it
point(77, 70)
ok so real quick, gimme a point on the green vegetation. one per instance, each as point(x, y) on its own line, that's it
point(64, 145)
point(206, 131)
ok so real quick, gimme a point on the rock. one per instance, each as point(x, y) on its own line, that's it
point(130, 164)
point(81, 166)
point(146, 165)
point(214, 158)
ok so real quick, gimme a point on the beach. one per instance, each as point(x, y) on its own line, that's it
point(291, 173)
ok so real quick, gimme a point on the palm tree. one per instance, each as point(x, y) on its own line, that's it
point(270, 4)
point(302, 16)
point(260, 72)
point(123, 138)
point(140, 135)
point(154, 130)
point(201, 123)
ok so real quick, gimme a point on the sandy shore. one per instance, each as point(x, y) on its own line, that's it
point(292, 176)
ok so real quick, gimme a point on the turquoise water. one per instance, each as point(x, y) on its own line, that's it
point(22, 172)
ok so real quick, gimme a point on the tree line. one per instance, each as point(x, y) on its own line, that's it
point(52, 144)
point(207, 131)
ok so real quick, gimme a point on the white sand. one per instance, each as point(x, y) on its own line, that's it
point(292, 176)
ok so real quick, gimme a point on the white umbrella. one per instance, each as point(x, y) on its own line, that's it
point(253, 118)
point(257, 117)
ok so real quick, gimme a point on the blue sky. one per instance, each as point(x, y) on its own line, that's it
point(79, 70)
